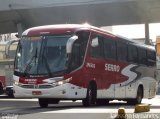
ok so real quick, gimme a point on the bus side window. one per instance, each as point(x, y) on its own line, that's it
point(96, 50)
point(132, 54)
point(121, 51)
point(83, 37)
point(110, 48)
point(142, 56)
point(151, 56)
point(79, 49)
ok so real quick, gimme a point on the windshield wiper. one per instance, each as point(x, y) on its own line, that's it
point(47, 66)
point(42, 51)
point(29, 66)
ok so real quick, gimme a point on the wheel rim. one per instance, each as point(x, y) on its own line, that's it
point(90, 96)
point(139, 96)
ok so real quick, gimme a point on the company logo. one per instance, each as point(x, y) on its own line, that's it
point(31, 81)
point(112, 67)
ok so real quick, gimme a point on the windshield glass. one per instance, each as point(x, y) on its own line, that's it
point(42, 55)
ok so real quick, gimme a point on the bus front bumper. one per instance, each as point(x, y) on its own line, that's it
point(65, 91)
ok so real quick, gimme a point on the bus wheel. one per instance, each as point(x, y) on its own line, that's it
point(139, 95)
point(43, 102)
point(91, 95)
point(102, 102)
point(138, 98)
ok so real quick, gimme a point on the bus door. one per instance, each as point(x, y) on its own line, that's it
point(120, 88)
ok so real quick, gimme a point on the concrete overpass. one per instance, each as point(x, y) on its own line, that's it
point(17, 15)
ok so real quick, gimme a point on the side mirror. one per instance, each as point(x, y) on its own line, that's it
point(9, 43)
point(94, 42)
point(70, 43)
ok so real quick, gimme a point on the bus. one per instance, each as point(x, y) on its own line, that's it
point(82, 62)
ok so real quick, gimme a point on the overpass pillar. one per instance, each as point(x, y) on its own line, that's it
point(147, 39)
point(20, 28)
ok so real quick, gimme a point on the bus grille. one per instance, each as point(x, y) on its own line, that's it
point(45, 86)
point(37, 86)
point(27, 86)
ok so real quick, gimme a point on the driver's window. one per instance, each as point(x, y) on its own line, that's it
point(96, 46)
point(79, 49)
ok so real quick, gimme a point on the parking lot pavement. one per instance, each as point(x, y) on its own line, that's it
point(29, 109)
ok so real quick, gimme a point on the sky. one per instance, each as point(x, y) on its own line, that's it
point(137, 31)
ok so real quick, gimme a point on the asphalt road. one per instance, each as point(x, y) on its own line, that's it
point(29, 109)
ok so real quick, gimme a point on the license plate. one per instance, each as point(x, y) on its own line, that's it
point(36, 93)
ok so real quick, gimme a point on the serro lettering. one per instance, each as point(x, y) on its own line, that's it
point(112, 67)
point(30, 80)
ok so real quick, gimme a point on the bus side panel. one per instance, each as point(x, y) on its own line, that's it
point(145, 77)
point(109, 78)
point(148, 80)
point(121, 79)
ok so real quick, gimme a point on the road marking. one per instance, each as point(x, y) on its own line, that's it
point(6, 108)
point(88, 110)
point(14, 99)
point(152, 102)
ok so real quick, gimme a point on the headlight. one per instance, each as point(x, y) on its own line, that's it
point(63, 81)
point(60, 82)
point(16, 82)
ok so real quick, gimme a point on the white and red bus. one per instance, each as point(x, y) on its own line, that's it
point(82, 62)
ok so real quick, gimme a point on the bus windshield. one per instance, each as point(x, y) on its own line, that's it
point(41, 55)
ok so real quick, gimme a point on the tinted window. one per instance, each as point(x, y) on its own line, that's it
point(121, 51)
point(78, 50)
point(109, 48)
point(132, 53)
point(142, 56)
point(96, 50)
point(151, 57)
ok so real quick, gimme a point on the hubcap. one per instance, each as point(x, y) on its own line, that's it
point(90, 95)
point(139, 97)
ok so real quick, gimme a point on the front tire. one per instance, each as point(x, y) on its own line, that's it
point(43, 103)
point(91, 95)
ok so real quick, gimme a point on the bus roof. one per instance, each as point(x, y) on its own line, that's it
point(60, 28)
point(53, 29)
point(72, 28)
